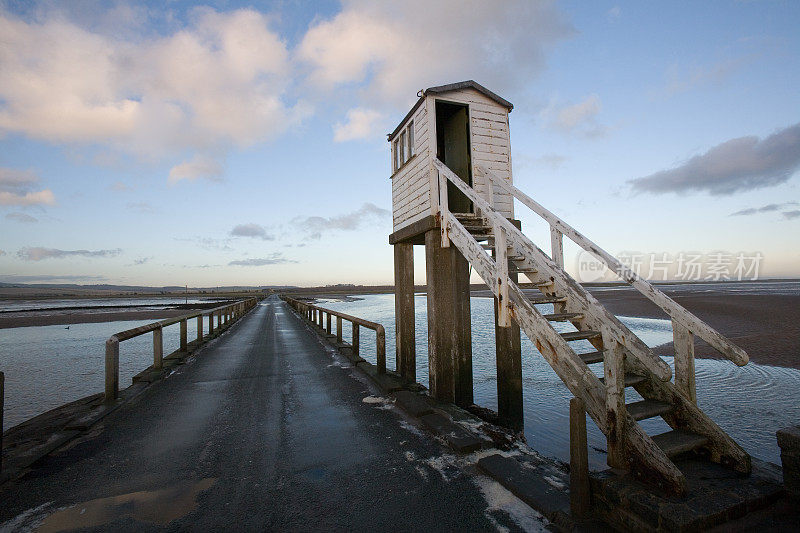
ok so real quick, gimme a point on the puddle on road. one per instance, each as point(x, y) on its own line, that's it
point(159, 507)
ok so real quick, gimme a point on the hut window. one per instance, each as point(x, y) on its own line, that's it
point(403, 147)
point(410, 140)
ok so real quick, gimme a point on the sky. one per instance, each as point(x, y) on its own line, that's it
point(233, 143)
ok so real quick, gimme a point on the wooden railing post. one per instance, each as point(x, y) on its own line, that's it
point(501, 262)
point(199, 328)
point(355, 339)
point(112, 369)
point(614, 373)
point(328, 324)
point(158, 348)
point(444, 210)
point(380, 349)
point(683, 340)
point(339, 329)
point(184, 334)
point(579, 491)
point(557, 246)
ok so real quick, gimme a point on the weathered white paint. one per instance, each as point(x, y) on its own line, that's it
point(415, 185)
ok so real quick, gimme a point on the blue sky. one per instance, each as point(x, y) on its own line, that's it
point(222, 143)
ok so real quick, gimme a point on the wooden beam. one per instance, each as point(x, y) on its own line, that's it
point(683, 340)
point(579, 491)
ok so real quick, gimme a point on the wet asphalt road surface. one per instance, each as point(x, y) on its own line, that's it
point(263, 429)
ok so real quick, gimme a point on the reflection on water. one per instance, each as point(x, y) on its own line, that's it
point(47, 366)
point(751, 403)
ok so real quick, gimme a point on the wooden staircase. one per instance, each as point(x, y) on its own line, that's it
point(626, 361)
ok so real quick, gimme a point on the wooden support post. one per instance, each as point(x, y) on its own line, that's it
point(328, 324)
point(199, 329)
point(508, 351)
point(449, 327)
point(501, 258)
point(614, 373)
point(406, 349)
point(112, 370)
point(579, 492)
point(339, 329)
point(683, 340)
point(158, 348)
point(184, 334)
point(356, 340)
point(557, 246)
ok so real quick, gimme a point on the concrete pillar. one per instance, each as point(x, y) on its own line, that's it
point(406, 353)
point(449, 328)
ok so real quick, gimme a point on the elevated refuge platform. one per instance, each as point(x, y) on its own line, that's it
point(453, 192)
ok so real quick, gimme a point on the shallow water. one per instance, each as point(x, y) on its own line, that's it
point(47, 366)
point(37, 305)
point(751, 403)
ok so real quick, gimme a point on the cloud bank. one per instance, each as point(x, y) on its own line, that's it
point(741, 164)
point(764, 209)
point(272, 259)
point(16, 185)
point(39, 254)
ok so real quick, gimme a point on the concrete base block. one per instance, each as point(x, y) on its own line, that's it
point(716, 495)
point(538, 485)
point(458, 438)
point(414, 404)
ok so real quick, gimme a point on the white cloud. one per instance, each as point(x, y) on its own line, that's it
point(393, 49)
point(579, 118)
point(360, 124)
point(315, 226)
point(273, 259)
point(200, 167)
point(220, 80)
point(15, 188)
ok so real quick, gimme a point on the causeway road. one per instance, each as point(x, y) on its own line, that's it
point(264, 428)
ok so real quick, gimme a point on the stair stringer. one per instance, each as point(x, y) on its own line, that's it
point(686, 415)
point(572, 371)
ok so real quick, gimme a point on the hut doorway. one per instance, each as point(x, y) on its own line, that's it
point(453, 149)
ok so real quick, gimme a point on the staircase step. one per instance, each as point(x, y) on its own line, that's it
point(522, 270)
point(536, 300)
point(479, 229)
point(630, 379)
point(648, 409)
point(679, 441)
point(591, 357)
point(563, 317)
point(580, 335)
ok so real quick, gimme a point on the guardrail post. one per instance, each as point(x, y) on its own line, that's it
point(380, 349)
point(112, 369)
point(557, 246)
point(199, 329)
point(339, 329)
point(614, 373)
point(579, 491)
point(328, 324)
point(355, 339)
point(683, 340)
point(158, 348)
point(184, 340)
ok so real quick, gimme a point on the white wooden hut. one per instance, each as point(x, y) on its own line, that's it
point(463, 124)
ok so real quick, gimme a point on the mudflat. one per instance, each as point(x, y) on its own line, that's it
point(766, 326)
point(78, 317)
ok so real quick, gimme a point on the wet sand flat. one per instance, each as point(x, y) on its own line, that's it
point(40, 319)
point(766, 326)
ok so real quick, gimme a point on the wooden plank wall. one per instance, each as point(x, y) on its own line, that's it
point(411, 194)
point(491, 147)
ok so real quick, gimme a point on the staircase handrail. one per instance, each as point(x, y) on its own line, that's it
point(674, 310)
